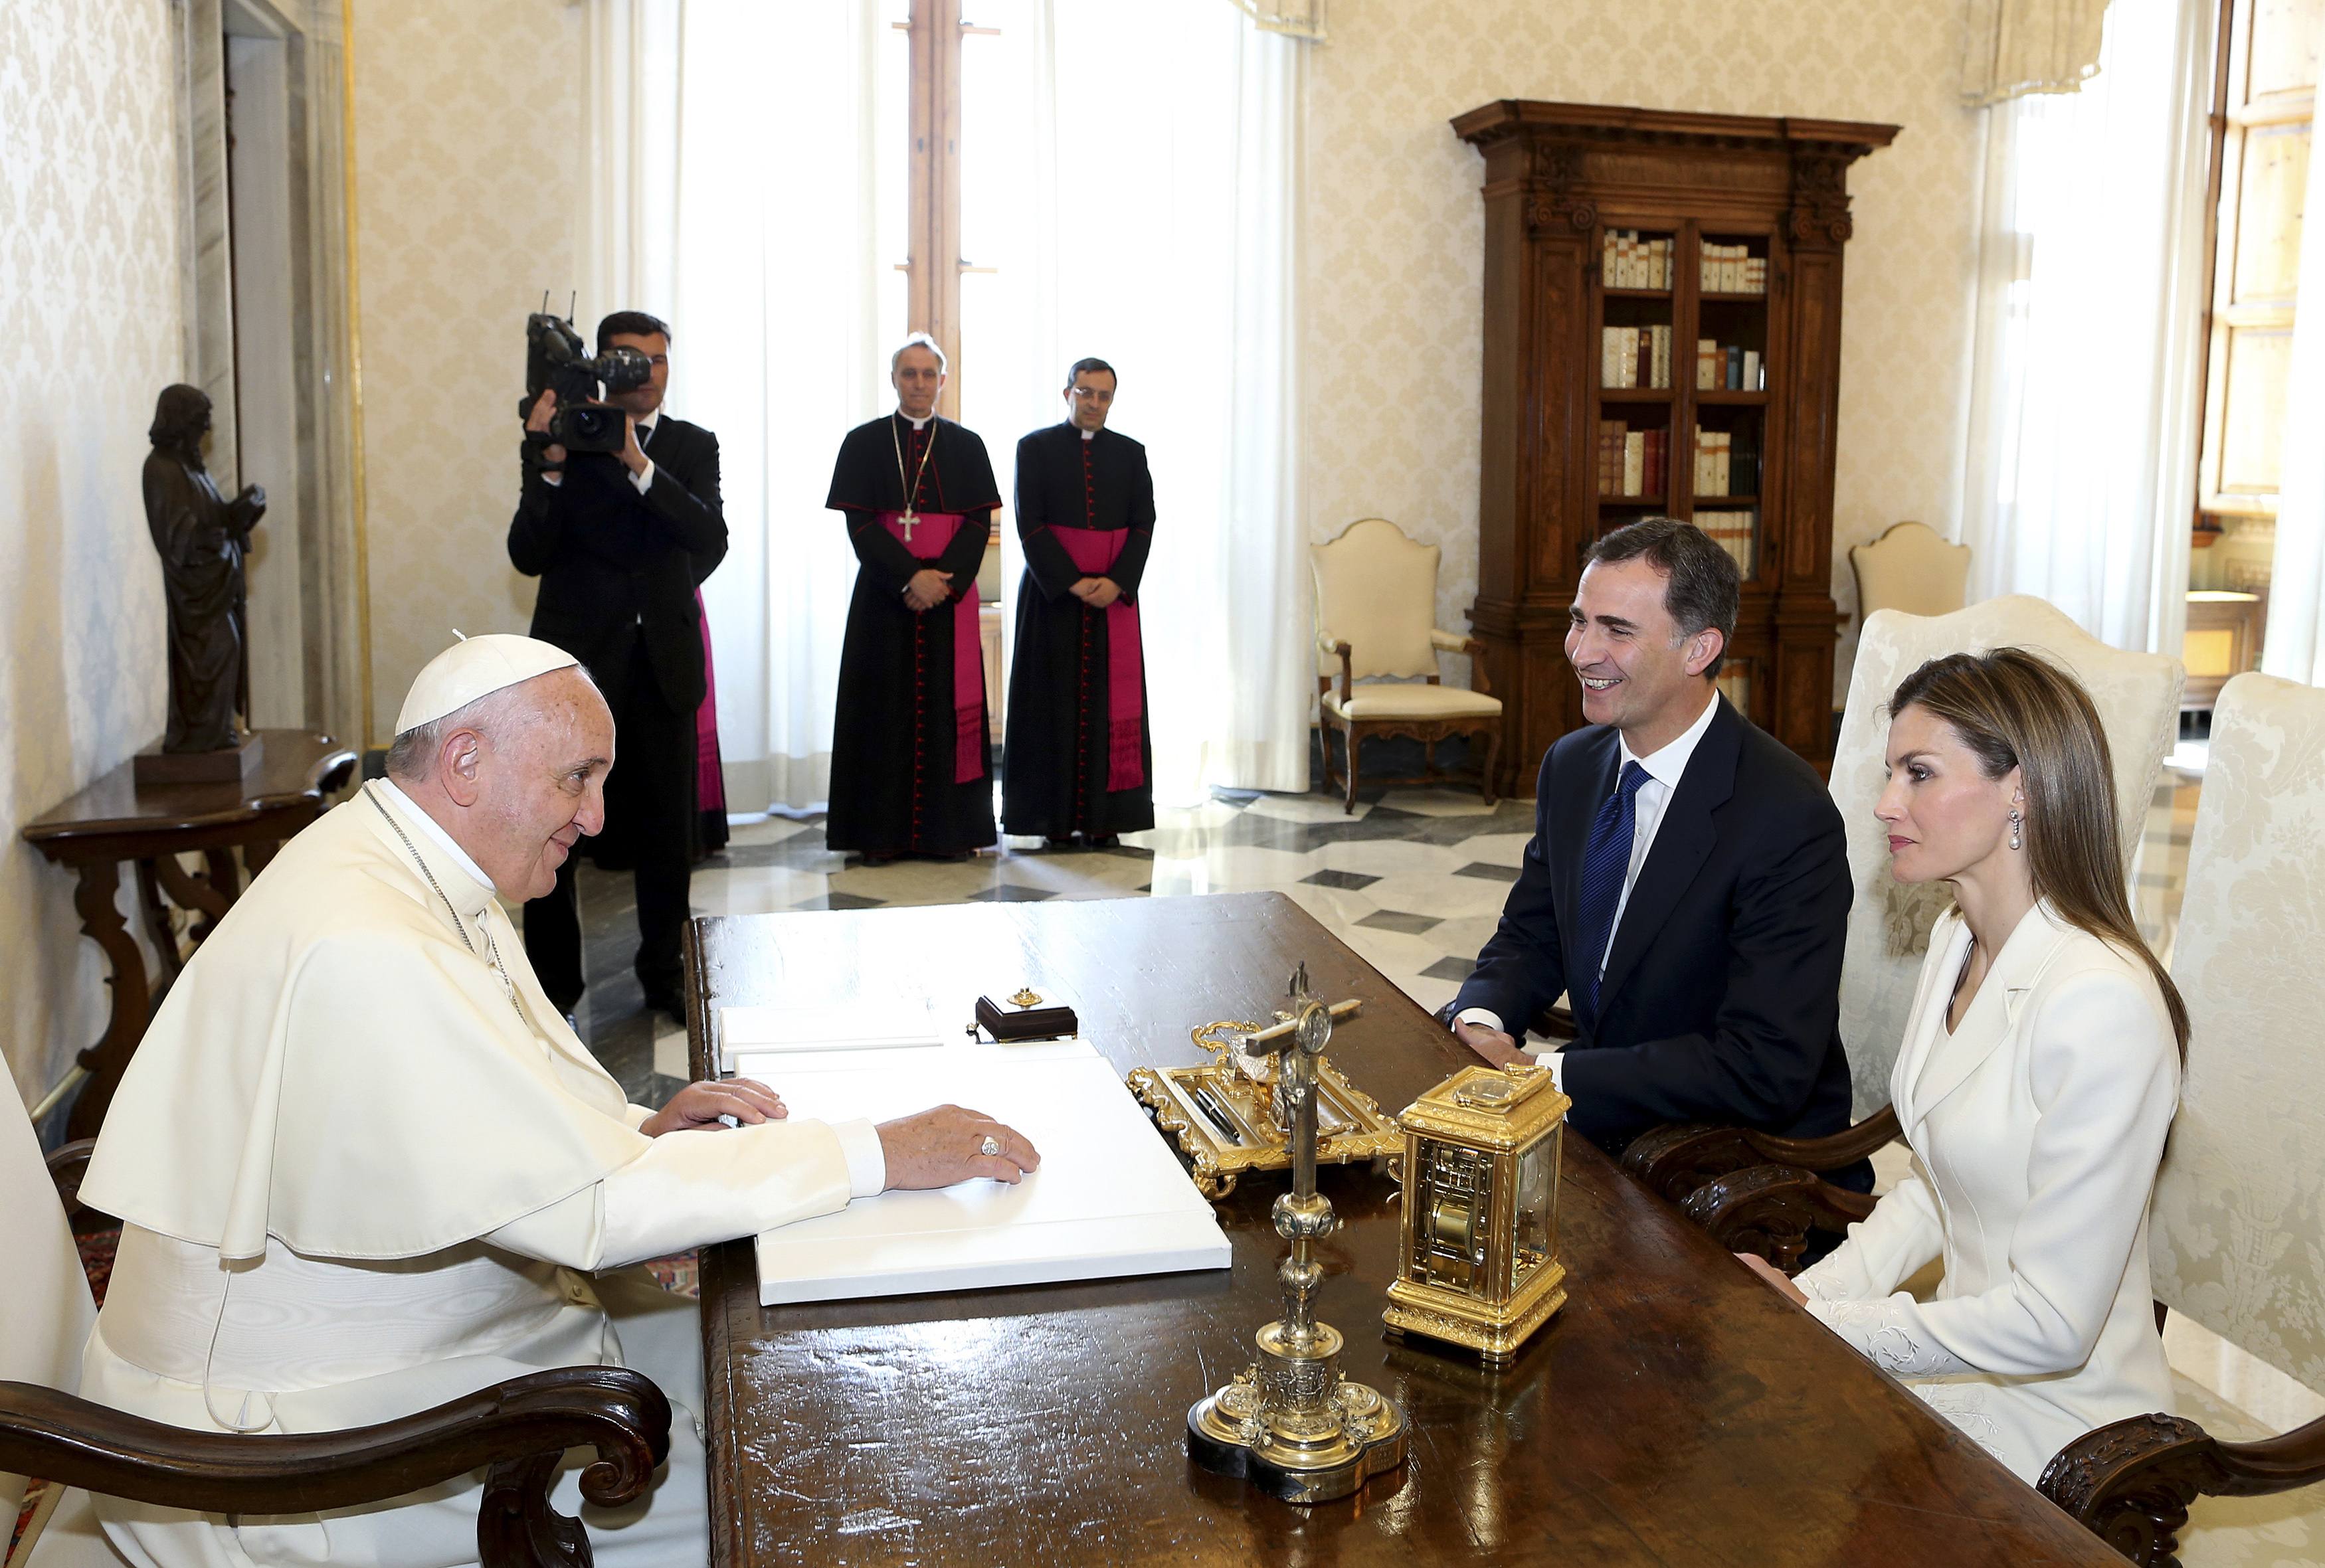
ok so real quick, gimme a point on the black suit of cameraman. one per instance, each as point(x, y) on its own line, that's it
point(619, 542)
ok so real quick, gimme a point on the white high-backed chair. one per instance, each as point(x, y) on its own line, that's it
point(2236, 1236)
point(1910, 567)
point(2137, 696)
point(1376, 615)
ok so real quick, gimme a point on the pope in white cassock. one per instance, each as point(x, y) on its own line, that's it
point(365, 1167)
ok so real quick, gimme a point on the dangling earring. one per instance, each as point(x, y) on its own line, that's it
point(2017, 821)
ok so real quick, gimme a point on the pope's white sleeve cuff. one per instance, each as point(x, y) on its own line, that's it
point(867, 1162)
point(644, 478)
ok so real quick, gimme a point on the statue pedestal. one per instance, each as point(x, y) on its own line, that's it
point(227, 767)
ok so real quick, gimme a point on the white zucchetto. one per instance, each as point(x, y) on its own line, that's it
point(473, 668)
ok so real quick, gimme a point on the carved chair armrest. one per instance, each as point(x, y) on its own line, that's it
point(520, 1428)
point(68, 1164)
point(1328, 645)
point(1679, 1157)
point(1454, 642)
point(1846, 1148)
point(1770, 1209)
point(1557, 1023)
point(2130, 1483)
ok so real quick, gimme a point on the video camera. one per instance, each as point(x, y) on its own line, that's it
point(554, 361)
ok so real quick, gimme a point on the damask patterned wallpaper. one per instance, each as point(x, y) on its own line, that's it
point(89, 308)
point(1395, 234)
point(468, 121)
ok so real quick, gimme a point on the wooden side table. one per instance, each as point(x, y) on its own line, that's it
point(115, 819)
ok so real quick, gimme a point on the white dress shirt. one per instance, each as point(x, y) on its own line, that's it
point(1664, 767)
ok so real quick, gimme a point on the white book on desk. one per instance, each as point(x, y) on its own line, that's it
point(1109, 1200)
point(871, 1024)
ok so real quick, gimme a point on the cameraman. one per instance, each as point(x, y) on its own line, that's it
point(619, 541)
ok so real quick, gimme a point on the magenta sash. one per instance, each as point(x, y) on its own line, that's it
point(1093, 551)
point(932, 532)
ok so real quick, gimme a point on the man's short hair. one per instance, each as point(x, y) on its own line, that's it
point(1092, 366)
point(630, 324)
point(918, 340)
point(1700, 584)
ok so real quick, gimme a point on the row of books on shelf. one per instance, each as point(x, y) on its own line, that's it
point(1634, 356)
point(1632, 462)
point(1628, 262)
point(1638, 462)
point(1733, 270)
point(1722, 468)
point(1728, 367)
point(1734, 532)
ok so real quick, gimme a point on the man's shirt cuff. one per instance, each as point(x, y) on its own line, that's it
point(867, 1162)
point(643, 480)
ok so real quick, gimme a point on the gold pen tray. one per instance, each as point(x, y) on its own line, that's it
point(1224, 1123)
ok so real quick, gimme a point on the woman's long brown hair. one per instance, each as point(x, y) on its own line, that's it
point(2014, 710)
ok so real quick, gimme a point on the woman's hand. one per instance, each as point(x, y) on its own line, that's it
point(1775, 1278)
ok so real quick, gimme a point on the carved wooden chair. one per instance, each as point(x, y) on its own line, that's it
point(1762, 1194)
point(1910, 567)
point(520, 1429)
point(2236, 1236)
point(1375, 615)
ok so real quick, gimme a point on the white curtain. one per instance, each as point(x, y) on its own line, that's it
point(2295, 647)
point(1131, 191)
point(2081, 476)
point(733, 191)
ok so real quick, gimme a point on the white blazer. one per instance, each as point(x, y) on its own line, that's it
point(2036, 1128)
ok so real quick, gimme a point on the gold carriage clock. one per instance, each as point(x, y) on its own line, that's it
point(1479, 1265)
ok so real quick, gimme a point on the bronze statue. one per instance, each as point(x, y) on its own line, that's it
point(202, 538)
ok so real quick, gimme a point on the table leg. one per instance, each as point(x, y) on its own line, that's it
point(101, 921)
point(199, 894)
point(157, 923)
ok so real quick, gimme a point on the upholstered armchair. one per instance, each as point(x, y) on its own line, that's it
point(518, 1431)
point(2236, 1235)
point(1760, 1192)
point(1910, 567)
point(1376, 617)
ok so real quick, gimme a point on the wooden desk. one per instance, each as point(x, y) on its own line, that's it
point(1676, 1412)
point(115, 819)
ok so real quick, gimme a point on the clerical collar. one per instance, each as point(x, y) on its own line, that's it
point(1090, 435)
point(435, 831)
point(916, 424)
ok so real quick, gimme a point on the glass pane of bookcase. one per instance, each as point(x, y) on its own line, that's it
point(1734, 684)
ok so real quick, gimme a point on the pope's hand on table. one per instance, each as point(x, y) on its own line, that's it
point(929, 588)
point(939, 1147)
point(699, 1106)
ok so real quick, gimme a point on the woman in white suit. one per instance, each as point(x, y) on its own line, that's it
point(2038, 1076)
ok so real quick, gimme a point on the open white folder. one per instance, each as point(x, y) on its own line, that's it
point(1109, 1199)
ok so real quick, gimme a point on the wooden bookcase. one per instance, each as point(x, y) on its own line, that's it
point(1559, 179)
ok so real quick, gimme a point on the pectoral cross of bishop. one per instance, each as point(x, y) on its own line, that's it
point(910, 521)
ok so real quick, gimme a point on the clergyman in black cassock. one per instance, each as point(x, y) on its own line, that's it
point(911, 753)
point(1079, 758)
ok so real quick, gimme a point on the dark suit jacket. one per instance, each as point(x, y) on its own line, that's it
point(611, 560)
point(1721, 997)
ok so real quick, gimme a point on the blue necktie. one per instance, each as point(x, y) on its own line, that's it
point(1606, 861)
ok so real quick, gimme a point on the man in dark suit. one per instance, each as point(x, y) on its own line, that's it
point(1688, 881)
point(619, 541)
